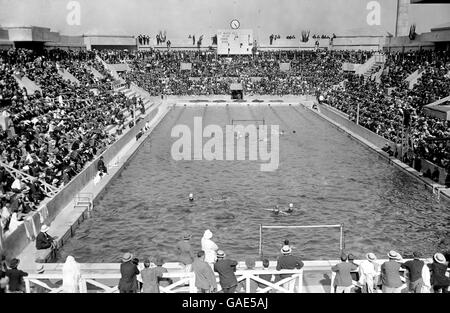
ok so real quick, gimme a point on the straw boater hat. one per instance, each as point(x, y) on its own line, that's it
point(371, 256)
point(394, 255)
point(220, 254)
point(286, 250)
point(44, 228)
point(439, 257)
point(127, 257)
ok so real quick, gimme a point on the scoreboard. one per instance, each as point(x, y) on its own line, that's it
point(234, 41)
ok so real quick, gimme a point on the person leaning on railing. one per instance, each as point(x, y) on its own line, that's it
point(205, 279)
point(289, 262)
point(343, 280)
point(390, 276)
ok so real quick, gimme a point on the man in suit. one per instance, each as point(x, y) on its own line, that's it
point(343, 279)
point(128, 271)
point(205, 279)
point(226, 269)
point(16, 284)
point(44, 244)
point(390, 275)
point(287, 261)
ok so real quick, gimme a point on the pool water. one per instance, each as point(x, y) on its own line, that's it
point(330, 178)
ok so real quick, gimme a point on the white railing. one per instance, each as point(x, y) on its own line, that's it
point(48, 189)
point(182, 282)
point(104, 278)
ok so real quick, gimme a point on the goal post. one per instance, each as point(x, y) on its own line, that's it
point(261, 227)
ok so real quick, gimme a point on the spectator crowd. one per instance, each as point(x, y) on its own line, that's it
point(367, 276)
point(399, 114)
point(53, 133)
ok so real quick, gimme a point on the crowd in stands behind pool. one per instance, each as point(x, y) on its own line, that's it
point(159, 72)
point(385, 114)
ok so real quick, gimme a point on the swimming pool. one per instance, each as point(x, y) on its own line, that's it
point(330, 178)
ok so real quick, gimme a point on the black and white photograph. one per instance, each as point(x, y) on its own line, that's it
point(203, 148)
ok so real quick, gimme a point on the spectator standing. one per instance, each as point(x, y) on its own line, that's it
point(390, 275)
point(160, 270)
point(128, 271)
point(353, 274)
point(209, 247)
point(287, 261)
point(71, 275)
point(205, 279)
point(438, 268)
point(415, 272)
point(15, 276)
point(368, 270)
point(150, 278)
point(226, 269)
point(343, 279)
point(185, 252)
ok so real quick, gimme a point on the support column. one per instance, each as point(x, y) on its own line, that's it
point(402, 20)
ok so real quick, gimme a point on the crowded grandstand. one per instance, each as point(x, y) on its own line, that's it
point(62, 107)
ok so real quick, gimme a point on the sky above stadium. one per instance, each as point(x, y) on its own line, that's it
point(181, 17)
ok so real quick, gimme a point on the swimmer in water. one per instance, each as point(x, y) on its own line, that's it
point(191, 197)
point(277, 211)
point(290, 209)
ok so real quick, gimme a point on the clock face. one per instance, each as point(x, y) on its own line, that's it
point(235, 24)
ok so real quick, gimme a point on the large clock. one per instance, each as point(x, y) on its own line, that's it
point(235, 24)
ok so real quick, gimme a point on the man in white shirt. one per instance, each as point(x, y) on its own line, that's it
point(368, 270)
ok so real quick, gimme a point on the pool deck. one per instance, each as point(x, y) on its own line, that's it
point(71, 216)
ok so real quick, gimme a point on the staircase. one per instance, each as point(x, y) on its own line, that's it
point(372, 67)
point(28, 84)
point(66, 75)
point(110, 69)
point(413, 78)
point(131, 92)
point(94, 72)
